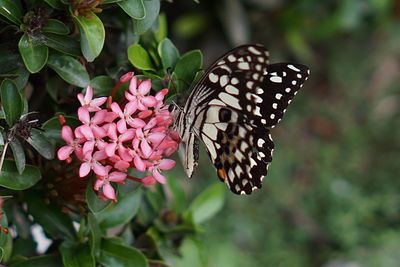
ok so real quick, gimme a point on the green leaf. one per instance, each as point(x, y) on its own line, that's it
point(10, 178)
point(54, 4)
point(187, 67)
point(162, 32)
point(134, 8)
point(207, 204)
point(12, 101)
point(3, 223)
point(139, 57)
point(92, 35)
point(62, 43)
point(95, 204)
point(19, 155)
point(33, 54)
point(169, 54)
point(69, 69)
point(152, 8)
point(179, 199)
point(94, 235)
point(122, 212)
point(11, 10)
point(117, 255)
point(76, 255)
point(102, 85)
point(55, 222)
point(41, 144)
point(55, 26)
point(41, 261)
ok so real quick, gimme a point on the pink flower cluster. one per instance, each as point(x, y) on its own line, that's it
point(132, 134)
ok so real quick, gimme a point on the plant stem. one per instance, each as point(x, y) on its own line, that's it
point(3, 155)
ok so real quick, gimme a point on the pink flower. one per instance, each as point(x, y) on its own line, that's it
point(91, 162)
point(164, 164)
point(126, 116)
point(72, 144)
point(88, 102)
point(138, 94)
point(135, 133)
point(103, 182)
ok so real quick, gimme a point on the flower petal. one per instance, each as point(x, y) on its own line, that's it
point(117, 177)
point(89, 94)
point(110, 149)
point(159, 177)
point(139, 164)
point(64, 152)
point(148, 181)
point(149, 101)
point(130, 107)
point(67, 134)
point(84, 169)
point(166, 164)
point(144, 87)
point(109, 192)
point(99, 169)
point(83, 115)
point(146, 148)
point(97, 102)
point(99, 117)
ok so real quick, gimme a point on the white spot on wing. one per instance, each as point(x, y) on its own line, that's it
point(278, 96)
point(223, 80)
point(213, 78)
point(232, 90)
point(276, 79)
point(230, 100)
point(290, 66)
point(244, 66)
point(254, 50)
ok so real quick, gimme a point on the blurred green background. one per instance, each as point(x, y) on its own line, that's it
point(332, 194)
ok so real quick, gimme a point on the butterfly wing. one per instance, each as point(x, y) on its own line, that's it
point(235, 104)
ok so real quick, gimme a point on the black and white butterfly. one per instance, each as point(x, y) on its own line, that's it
point(232, 109)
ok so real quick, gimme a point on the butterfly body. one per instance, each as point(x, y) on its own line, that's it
point(232, 109)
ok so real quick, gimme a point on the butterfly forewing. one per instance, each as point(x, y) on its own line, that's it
point(232, 108)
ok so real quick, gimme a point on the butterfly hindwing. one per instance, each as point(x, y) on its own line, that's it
point(240, 151)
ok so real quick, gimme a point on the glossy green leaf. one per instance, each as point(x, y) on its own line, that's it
point(76, 255)
point(69, 69)
point(152, 8)
point(19, 155)
point(11, 10)
point(62, 43)
point(55, 26)
point(134, 8)
point(12, 101)
point(122, 212)
point(10, 178)
point(92, 35)
point(41, 144)
point(208, 203)
point(139, 57)
point(55, 222)
point(169, 54)
point(22, 77)
point(117, 255)
point(33, 53)
point(102, 85)
point(187, 67)
point(41, 261)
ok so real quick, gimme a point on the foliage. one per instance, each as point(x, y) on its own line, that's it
point(331, 196)
point(50, 51)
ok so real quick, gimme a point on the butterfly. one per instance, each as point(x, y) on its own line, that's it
point(232, 109)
